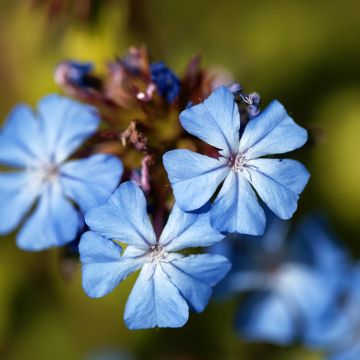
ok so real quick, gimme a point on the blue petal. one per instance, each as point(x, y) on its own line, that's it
point(194, 177)
point(329, 329)
point(309, 290)
point(216, 121)
point(265, 317)
point(185, 230)
point(54, 222)
point(124, 217)
point(195, 275)
point(17, 197)
point(90, 182)
point(66, 124)
point(20, 140)
point(273, 131)
point(348, 352)
point(323, 253)
point(155, 302)
point(236, 208)
point(103, 267)
point(278, 182)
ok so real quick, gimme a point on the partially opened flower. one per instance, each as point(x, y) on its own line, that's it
point(278, 182)
point(169, 282)
point(289, 281)
point(167, 84)
point(37, 145)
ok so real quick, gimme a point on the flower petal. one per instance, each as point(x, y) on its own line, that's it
point(215, 121)
point(194, 177)
point(155, 302)
point(195, 275)
point(279, 183)
point(65, 124)
point(310, 291)
point(103, 267)
point(20, 140)
point(16, 199)
point(273, 131)
point(266, 317)
point(91, 181)
point(124, 217)
point(185, 230)
point(54, 222)
point(236, 208)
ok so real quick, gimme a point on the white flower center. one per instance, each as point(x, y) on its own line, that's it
point(238, 162)
point(157, 254)
point(45, 173)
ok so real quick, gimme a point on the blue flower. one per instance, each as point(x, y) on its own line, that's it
point(278, 182)
point(169, 282)
point(37, 145)
point(166, 81)
point(289, 281)
point(337, 330)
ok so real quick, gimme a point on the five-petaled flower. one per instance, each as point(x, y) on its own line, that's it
point(37, 145)
point(290, 280)
point(169, 282)
point(278, 182)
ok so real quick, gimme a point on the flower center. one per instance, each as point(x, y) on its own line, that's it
point(238, 162)
point(157, 253)
point(45, 173)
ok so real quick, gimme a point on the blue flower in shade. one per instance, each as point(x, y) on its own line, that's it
point(169, 282)
point(76, 73)
point(166, 81)
point(337, 330)
point(278, 182)
point(289, 282)
point(37, 145)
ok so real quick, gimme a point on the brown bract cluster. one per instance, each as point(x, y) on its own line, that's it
point(139, 125)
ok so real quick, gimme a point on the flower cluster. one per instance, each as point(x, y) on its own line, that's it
point(120, 144)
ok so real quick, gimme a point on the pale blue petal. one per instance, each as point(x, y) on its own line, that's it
point(309, 290)
point(103, 267)
point(322, 253)
point(91, 181)
point(215, 121)
point(194, 177)
point(124, 217)
point(155, 302)
point(236, 208)
point(348, 352)
point(278, 182)
point(245, 280)
point(273, 131)
point(17, 197)
point(195, 275)
point(185, 230)
point(65, 125)
point(265, 317)
point(54, 222)
point(20, 140)
point(329, 329)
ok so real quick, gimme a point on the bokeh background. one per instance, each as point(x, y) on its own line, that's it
point(304, 53)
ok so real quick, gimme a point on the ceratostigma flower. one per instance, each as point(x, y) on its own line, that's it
point(169, 282)
point(38, 145)
point(278, 182)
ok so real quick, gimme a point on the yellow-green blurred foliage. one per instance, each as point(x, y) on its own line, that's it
point(305, 53)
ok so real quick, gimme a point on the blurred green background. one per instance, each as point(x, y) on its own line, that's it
point(304, 53)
